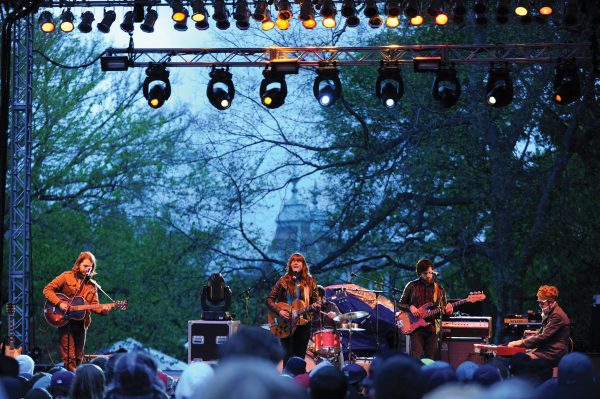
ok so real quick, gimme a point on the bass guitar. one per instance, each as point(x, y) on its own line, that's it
point(283, 327)
point(11, 349)
point(407, 323)
point(57, 318)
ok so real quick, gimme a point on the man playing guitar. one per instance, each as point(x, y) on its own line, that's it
point(424, 340)
point(76, 282)
point(296, 290)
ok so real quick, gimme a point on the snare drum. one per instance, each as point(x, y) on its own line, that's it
point(326, 342)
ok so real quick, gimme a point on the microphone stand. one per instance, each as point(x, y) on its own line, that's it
point(246, 293)
point(394, 291)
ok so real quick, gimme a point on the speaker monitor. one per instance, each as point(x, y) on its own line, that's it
point(205, 338)
point(456, 351)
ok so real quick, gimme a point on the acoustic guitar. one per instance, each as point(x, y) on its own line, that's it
point(11, 349)
point(57, 318)
point(407, 323)
point(283, 327)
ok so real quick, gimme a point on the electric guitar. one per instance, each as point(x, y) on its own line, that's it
point(57, 318)
point(11, 349)
point(407, 323)
point(283, 327)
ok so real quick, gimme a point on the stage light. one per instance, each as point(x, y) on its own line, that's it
point(435, 7)
point(267, 23)
point(389, 87)
point(446, 87)
point(522, 8)
point(260, 11)
point(567, 88)
point(199, 13)
point(282, 24)
point(85, 26)
point(546, 7)
point(127, 24)
point(371, 8)
point(353, 21)
point(417, 20)
point(441, 19)
point(46, 22)
point(179, 12)
point(392, 22)
point(220, 90)
point(107, 20)
point(375, 22)
point(242, 15)
point(327, 87)
point(223, 24)
point(307, 11)
point(329, 22)
point(273, 89)
point(181, 25)
point(570, 13)
point(392, 8)
point(66, 21)
point(157, 88)
point(202, 25)
point(499, 87)
point(220, 11)
point(149, 21)
point(502, 11)
point(348, 9)
point(412, 8)
point(284, 10)
point(309, 23)
point(328, 9)
point(479, 6)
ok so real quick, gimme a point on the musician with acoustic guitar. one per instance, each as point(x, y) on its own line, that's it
point(291, 302)
point(61, 293)
point(417, 293)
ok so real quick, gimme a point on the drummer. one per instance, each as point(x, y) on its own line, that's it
point(324, 319)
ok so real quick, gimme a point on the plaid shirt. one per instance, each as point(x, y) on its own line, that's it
point(418, 293)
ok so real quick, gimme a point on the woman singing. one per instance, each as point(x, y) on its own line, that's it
point(298, 289)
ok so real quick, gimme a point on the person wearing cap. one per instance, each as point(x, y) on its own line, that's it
point(60, 384)
point(551, 341)
point(297, 286)
point(424, 340)
point(76, 282)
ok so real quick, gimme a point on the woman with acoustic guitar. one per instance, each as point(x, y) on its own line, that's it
point(291, 302)
point(61, 292)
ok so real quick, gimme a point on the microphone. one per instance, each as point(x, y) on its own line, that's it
point(352, 274)
point(436, 273)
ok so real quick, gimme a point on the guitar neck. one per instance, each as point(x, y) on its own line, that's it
point(454, 304)
point(87, 307)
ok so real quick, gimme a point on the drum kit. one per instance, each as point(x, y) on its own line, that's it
point(326, 344)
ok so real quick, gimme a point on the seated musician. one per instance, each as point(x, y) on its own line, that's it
point(324, 318)
point(551, 341)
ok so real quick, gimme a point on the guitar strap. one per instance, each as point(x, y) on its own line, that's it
point(436, 291)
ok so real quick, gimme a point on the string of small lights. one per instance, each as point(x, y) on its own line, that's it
point(280, 14)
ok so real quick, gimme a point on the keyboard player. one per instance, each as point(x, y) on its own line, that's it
point(551, 341)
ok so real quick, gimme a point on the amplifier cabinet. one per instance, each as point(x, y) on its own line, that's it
point(205, 337)
point(457, 350)
point(467, 327)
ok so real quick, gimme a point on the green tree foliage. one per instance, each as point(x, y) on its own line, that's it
point(111, 175)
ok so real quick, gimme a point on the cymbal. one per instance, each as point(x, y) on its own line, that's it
point(350, 316)
point(351, 329)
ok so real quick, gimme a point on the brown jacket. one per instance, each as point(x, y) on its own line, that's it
point(67, 284)
point(284, 290)
point(552, 339)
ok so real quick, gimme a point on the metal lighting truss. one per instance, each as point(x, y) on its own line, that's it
point(537, 53)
